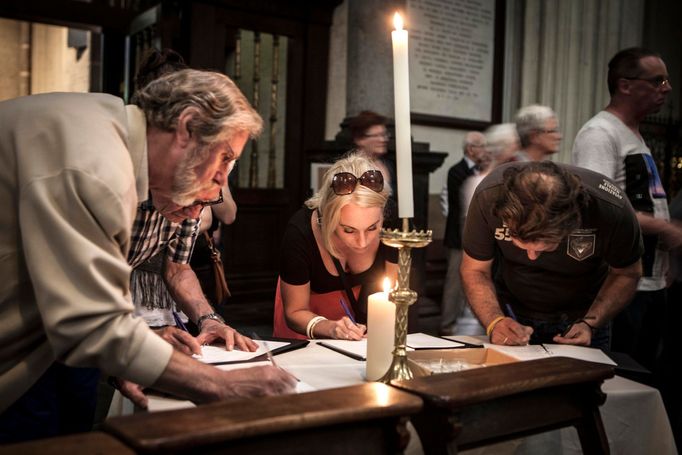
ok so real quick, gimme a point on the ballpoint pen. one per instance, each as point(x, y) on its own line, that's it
point(347, 311)
point(268, 353)
point(510, 312)
point(178, 322)
point(352, 355)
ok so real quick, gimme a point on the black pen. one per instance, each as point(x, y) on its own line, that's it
point(341, 351)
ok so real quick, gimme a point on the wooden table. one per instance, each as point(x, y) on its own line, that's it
point(77, 444)
point(366, 418)
point(478, 407)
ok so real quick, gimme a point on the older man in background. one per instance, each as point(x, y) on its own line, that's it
point(473, 148)
point(538, 129)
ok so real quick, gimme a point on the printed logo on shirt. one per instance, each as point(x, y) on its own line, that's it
point(581, 244)
point(610, 188)
point(502, 233)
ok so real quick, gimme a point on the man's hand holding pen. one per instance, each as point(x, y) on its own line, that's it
point(579, 333)
point(507, 331)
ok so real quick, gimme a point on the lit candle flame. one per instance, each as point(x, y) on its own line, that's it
point(387, 285)
point(397, 21)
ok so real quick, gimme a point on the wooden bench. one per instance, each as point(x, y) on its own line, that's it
point(76, 444)
point(367, 418)
point(482, 406)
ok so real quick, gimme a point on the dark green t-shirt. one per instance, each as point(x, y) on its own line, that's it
point(565, 281)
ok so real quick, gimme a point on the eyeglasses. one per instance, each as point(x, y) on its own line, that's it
point(386, 136)
point(203, 204)
point(344, 182)
point(656, 82)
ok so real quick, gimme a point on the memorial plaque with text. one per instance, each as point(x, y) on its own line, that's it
point(452, 55)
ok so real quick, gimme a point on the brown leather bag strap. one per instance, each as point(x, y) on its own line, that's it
point(222, 292)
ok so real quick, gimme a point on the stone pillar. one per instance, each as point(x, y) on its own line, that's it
point(370, 61)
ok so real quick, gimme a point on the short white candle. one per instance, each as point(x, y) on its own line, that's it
point(403, 139)
point(380, 333)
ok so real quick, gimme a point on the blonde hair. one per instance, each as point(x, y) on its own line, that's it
point(329, 204)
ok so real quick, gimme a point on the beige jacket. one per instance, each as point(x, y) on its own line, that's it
point(72, 167)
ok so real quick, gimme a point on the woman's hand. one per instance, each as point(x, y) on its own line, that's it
point(344, 329)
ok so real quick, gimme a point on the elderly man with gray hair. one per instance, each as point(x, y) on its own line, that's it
point(473, 148)
point(502, 146)
point(538, 130)
point(77, 167)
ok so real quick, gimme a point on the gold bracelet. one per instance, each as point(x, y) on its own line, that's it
point(492, 325)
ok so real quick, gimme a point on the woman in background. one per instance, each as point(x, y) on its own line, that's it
point(370, 138)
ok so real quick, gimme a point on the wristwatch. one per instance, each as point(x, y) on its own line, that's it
point(214, 316)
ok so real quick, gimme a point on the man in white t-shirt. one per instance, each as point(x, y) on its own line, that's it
point(610, 143)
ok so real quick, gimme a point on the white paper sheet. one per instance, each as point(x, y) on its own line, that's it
point(414, 341)
point(218, 354)
point(424, 341)
point(536, 351)
point(163, 403)
point(357, 348)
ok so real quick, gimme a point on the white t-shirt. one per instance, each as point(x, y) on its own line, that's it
point(606, 145)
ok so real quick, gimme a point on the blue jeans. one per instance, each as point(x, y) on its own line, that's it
point(544, 332)
point(62, 401)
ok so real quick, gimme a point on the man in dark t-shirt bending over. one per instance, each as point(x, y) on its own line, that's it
point(568, 246)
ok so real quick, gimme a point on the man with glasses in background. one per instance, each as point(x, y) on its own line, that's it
point(611, 143)
point(538, 130)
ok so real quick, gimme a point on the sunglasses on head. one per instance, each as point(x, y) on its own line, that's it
point(344, 182)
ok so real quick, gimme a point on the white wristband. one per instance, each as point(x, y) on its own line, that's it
point(311, 326)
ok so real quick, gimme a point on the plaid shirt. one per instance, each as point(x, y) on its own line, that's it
point(152, 232)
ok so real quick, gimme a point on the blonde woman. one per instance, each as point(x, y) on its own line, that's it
point(332, 258)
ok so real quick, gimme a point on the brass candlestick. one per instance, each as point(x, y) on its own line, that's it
point(403, 296)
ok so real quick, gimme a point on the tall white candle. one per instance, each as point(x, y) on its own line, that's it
point(380, 333)
point(403, 139)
